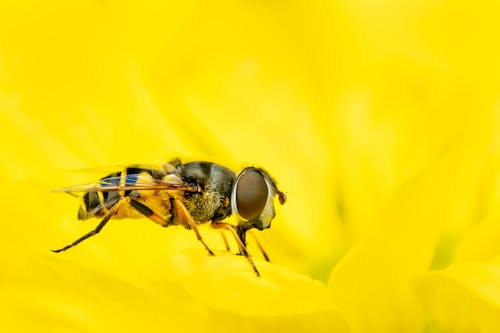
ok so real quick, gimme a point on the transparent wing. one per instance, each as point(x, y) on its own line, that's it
point(131, 182)
point(99, 171)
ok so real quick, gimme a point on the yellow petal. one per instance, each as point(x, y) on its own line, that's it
point(189, 291)
point(463, 298)
point(371, 284)
point(480, 243)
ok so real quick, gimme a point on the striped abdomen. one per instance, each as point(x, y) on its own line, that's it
point(95, 204)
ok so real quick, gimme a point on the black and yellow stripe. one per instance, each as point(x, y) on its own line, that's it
point(97, 203)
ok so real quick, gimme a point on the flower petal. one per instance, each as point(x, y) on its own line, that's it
point(463, 298)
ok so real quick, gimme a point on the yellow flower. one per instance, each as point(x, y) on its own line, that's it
point(378, 120)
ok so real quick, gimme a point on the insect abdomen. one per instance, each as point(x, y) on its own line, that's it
point(90, 202)
point(96, 204)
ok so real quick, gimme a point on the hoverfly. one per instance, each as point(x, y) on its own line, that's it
point(183, 194)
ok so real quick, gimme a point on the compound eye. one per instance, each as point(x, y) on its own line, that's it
point(251, 194)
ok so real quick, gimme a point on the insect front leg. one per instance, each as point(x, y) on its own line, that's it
point(261, 248)
point(242, 231)
point(241, 246)
point(99, 227)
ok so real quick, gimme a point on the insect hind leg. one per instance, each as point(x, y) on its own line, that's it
point(99, 227)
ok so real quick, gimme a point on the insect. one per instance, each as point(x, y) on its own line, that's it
point(183, 194)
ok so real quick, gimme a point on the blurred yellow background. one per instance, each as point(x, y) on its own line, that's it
point(378, 119)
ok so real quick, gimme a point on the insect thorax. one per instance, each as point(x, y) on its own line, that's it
point(216, 181)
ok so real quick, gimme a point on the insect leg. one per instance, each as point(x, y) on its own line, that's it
point(149, 213)
point(241, 246)
point(242, 230)
point(225, 241)
point(185, 219)
point(259, 245)
point(99, 227)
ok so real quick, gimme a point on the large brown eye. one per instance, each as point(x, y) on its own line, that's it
point(251, 194)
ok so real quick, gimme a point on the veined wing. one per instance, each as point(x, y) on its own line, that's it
point(131, 182)
point(98, 171)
